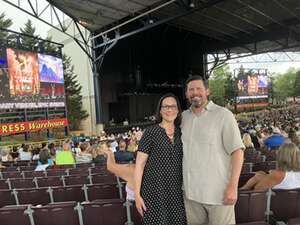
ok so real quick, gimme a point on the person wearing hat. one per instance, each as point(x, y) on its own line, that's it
point(275, 140)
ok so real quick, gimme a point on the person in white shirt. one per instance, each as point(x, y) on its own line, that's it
point(285, 176)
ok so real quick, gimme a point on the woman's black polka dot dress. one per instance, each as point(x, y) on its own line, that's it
point(161, 186)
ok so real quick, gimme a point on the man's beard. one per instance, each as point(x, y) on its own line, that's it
point(196, 102)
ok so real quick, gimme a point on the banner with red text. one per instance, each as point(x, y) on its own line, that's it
point(32, 126)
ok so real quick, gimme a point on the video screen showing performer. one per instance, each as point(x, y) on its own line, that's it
point(23, 72)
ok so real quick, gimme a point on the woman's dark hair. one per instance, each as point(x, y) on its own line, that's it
point(158, 115)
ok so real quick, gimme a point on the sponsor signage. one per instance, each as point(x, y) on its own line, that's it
point(32, 126)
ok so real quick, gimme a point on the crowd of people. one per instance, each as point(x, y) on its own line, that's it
point(185, 169)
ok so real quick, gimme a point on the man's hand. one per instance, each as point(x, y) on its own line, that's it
point(230, 195)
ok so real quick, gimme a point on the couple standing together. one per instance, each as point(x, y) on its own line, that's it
point(189, 175)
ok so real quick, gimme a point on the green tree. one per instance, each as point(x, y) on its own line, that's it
point(28, 42)
point(73, 95)
point(221, 85)
point(284, 84)
point(5, 24)
point(297, 84)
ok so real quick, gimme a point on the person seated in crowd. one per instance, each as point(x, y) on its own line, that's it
point(132, 146)
point(65, 157)
point(275, 140)
point(36, 153)
point(14, 153)
point(25, 154)
point(76, 149)
point(84, 156)
point(122, 155)
point(248, 142)
point(21, 148)
point(294, 137)
point(5, 155)
point(285, 176)
point(44, 160)
point(124, 171)
point(52, 151)
point(98, 154)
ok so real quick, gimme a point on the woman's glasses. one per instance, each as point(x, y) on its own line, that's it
point(167, 107)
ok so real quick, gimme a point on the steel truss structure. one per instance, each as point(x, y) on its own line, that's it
point(228, 40)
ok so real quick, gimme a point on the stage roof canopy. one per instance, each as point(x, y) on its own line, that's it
point(241, 25)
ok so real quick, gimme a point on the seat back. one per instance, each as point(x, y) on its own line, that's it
point(14, 215)
point(251, 206)
point(61, 213)
point(110, 211)
point(284, 204)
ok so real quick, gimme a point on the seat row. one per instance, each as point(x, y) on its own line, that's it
point(260, 166)
point(100, 212)
point(273, 205)
point(37, 182)
point(52, 172)
point(78, 193)
point(27, 165)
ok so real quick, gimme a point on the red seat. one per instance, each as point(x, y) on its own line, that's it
point(12, 174)
point(102, 191)
point(107, 212)
point(73, 180)
point(264, 166)
point(251, 206)
point(22, 183)
point(294, 221)
point(49, 182)
point(33, 196)
point(284, 204)
point(6, 198)
point(103, 178)
point(56, 172)
point(3, 184)
point(254, 223)
point(14, 215)
point(68, 193)
point(61, 213)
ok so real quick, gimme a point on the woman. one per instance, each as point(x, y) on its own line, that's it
point(286, 176)
point(158, 170)
point(125, 171)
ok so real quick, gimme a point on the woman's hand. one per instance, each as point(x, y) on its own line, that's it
point(140, 205)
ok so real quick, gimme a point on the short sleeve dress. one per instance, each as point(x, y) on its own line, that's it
point(161, 186)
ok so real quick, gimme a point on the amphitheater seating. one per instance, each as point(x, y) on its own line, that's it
point(251, 206)
point(285, 204)
point(104, 212)
point(294, 221)
point(264, 166)
point(254, 223)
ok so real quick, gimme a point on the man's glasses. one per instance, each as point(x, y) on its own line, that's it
point(167, 107)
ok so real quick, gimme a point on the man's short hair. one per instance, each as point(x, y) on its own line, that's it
point(196, 77)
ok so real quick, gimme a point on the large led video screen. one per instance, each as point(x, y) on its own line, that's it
point(30, 80)
point(253, 84)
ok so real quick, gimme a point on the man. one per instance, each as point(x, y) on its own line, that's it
point(213, 158)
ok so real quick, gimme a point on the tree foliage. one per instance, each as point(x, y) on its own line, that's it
point(5, 23)
point(222, 85)
point(285, 85)
point(26, 41)
point(73, 95)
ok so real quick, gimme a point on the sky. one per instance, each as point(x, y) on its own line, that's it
point(19, 19)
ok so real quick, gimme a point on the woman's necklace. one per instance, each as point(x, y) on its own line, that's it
point(170, 132)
